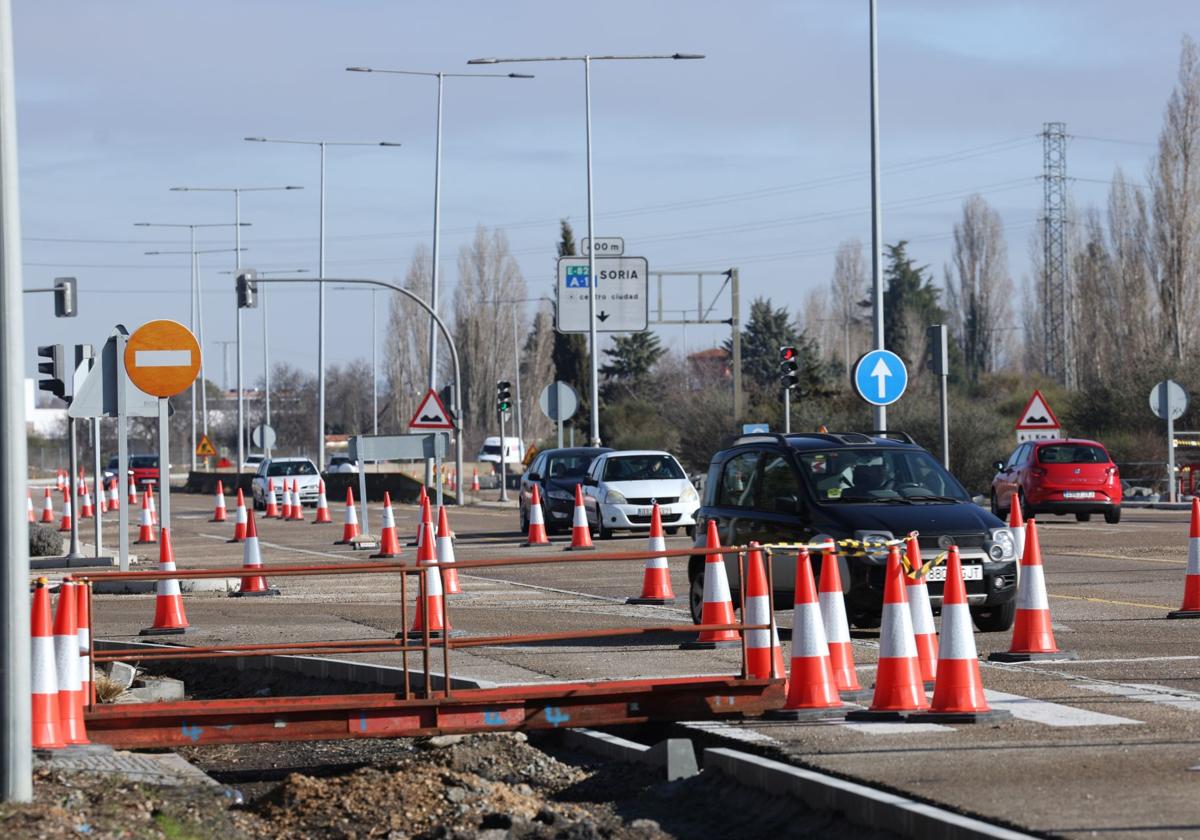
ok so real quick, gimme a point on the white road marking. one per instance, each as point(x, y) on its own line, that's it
point(896, 728)
point(1051, 714)
point(1187, 658)
point(1189, 701)
point(726, 730)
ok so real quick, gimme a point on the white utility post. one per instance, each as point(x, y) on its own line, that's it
point(880, 411)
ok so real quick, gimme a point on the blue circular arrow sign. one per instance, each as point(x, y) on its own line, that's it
point(880, 377)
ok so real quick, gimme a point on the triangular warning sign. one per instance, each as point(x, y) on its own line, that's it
point(431, 414)
point(204, 448)
point(1037, 414)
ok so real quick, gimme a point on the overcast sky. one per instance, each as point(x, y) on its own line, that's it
point(756, 157)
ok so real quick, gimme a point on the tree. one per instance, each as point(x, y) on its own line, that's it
point(632, 358)
point(910, 302)
point(570, 351)
point(767, 329)
point(979, 288)
point(406, 357)
point(846, 289)
point(1174, 179)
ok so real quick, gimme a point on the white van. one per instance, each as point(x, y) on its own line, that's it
point(514, 454)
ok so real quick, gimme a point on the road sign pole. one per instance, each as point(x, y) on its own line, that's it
point(1171, 457)
point(164, 468)
point(73, 552)
point(122, 455)
point(593, 365)
point(945, 412)
point(876, 212)
point(99, 498)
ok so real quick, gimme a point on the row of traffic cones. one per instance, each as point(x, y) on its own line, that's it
point(109, 501)
point(61, 668)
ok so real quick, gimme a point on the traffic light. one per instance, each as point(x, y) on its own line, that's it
point(53, 370)
point(937, 355)
point(503, 396)
point(247, 289)
point(788, 377)
point(64, 297)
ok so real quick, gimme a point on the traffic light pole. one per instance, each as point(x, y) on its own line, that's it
point(503, 464)
point(73, 553)
point(787, 411)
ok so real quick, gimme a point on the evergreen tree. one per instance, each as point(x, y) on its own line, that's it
point(570, 351)
point(767, 329)
point(632, 358)
point(910, 303)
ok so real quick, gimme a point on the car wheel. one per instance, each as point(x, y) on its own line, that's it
point(995, 619)
point(524, 518)
point(1083, 517)
point(1026, 509)
point(690, 531)
point(602, 533)
point(866, 621)
point(670, 532)
point(1112, 516)
point(696, 596)
point(996, 507)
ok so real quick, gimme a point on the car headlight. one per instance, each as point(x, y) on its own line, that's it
point(614, 497)
point(560, 495)
point(874, 548)
point(689, 495)
point(1001, 544)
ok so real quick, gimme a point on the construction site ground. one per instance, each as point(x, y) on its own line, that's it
point(1101, 745)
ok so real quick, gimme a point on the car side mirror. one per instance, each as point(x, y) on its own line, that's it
point(589, 481)
point(999, 465)
point(534, 477)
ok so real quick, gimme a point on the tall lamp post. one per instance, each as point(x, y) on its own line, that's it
point(197, 310)
point(587, 100)
point(237, 264)
point(321, 144)
point(437, 198)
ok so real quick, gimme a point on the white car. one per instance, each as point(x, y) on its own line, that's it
point(514, 454)
point(620, 490)
point(251, 463)
point(341, 464)
point(280, 470)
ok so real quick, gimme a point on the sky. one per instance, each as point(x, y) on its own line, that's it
point(756, 157)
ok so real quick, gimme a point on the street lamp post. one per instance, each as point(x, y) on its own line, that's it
point(587, 104)
point(321, 144)
point(876, 215)
point(437, 199)
point(237, 265)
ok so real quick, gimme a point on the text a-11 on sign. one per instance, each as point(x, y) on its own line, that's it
point(622, 299)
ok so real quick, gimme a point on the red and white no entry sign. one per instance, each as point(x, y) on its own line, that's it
point(162, 358)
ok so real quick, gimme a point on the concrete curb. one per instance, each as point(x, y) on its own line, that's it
point(860, 804)
point(148, 587)
point(676, 755)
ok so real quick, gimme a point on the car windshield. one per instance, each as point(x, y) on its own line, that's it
point(879, 475)
point(1072, 453)
point(113, 463)
point(291, 468)
point(641, 468)
point(491, 449)
point(568, 466)
point(143, 462)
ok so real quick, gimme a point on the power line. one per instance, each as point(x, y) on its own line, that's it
point(1111, 140)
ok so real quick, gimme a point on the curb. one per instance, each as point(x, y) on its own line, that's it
point(149, 587)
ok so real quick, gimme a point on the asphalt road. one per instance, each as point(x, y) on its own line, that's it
point(1102, 745)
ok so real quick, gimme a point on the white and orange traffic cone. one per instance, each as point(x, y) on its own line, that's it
point(537, 522)
point(64, 524)
point(219, 510)
point(47, 731)
point(66, 662)
point(581, 532)
point(83, 614)
point(239, 519)
point(474, 479)
point(1033, 636)
point(29, 507)
point(114, 495)
point(812, 689)
point(656, 578)
point(48, 507)
point(389, 542)
point(81, 485)
point(350, 528)
point(272, 506)
point(101, 500)
point(422, 516)
point(133, 493)
point(764, 654)
point(322, 506)
point(1016, 526)
point(60, 481)
point(169, 617)
point(718, 604)
point(297, 507)
point(431, 608)
point(285, 510)
point(253, 583)
point(445, 552)
point(837, 628)
point(153, 509)
point(1191, 586)
point(146, 526)
point(86, 511)
point(427, 549)
point(958, 693)
point(921, 612)
point(898, 686)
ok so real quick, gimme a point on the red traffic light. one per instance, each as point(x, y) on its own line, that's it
point(787, 354)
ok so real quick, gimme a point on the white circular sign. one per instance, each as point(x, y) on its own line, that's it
point(263, 436)
point(558, 401)
point(1167, 399)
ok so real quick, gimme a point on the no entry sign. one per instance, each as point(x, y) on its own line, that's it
point(162, 358)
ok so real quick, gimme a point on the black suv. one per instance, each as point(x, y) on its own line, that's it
point(773, 488)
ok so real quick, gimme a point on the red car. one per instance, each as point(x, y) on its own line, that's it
point(1059, 476)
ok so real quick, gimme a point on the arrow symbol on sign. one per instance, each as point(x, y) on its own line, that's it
point(602, 316)
point(880, 373)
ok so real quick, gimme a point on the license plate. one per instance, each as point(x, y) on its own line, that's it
point(1079, 494)
point(969, 572)
point(644, 512)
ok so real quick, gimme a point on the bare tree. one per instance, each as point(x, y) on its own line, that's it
point(537, 371)
point(979, 287)
point(847, 288)
point(816, 321)
point(407, 355)
point(1134, 261)
point(1174, 179)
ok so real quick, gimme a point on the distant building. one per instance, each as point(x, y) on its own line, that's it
point(707, 365)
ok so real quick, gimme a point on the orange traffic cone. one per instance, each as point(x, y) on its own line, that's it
point(1016, 526)
point(718, 605)
point(29, 507)
point(656, 578)
point(114, 495)
point(921, 612)
point(66, 661)
point(48, 507)
point(350, 529)
point(423, 516)
point(60, 481)
point(146, 526)
point(65, 523)
point(239, 519)
point(153, 509)
point(101, 500)
point(83, 613)
point(297, 508)
point(812, 690)
point(474, 480)
point(86, 511)
point(445, 552)
point(169, 617)
point(958, 693)
point(1033, 636)
point(47, 732)
point(133, 493)
point(837, 628)
point(898, 686)
point(219, 510)
point(1191, 587)
point(389, 543)
point(272, 506)
point(537, 522)
point(764, 655)
point(581, 532)
point(322, 506)
point(253, 583)
point(430, 605)
point(81, 484)
point(285, 511)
